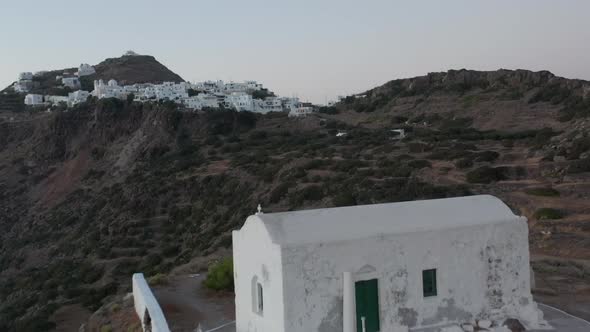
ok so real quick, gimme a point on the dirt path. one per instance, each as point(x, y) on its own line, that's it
point(186, 304)
point(562, 283)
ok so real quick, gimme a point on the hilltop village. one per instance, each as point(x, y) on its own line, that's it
point(241, 96)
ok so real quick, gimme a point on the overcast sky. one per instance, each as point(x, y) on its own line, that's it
point(315, 49)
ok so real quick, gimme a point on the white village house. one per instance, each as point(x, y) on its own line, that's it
point(33, 99)
point(85, 70)
point(384, 267)
point(71, 82)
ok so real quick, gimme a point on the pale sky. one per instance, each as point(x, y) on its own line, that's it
point(315, 49)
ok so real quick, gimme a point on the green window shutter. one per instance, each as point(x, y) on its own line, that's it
point(429, 282)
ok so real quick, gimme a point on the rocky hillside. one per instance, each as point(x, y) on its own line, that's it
point(131, 69)
point(127, 69)
point(91, 195)
point(511, 100)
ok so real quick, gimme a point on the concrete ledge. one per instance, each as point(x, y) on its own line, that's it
point(147, 307)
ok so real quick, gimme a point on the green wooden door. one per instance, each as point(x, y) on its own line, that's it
point(367, 305)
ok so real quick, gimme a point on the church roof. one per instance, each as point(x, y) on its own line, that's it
point(365, 221)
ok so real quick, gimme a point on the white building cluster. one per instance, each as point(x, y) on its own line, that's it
point(25, 83)
point(202, 95)
point(240, 96)
point(72, 99)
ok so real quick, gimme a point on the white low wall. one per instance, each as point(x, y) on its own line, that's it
point(147, 307)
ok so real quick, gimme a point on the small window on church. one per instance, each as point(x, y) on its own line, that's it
point(429, 282)
point(260, 298)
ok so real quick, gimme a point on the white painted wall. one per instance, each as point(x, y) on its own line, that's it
point(71, 82)
point(33, 99)
point(55, 100)
point(256, 256)
point(77, 97)
point(466, 279)
point(300, 111)
point(85, 70)
point(145, 302)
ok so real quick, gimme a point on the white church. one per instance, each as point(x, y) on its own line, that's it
point(387, 267)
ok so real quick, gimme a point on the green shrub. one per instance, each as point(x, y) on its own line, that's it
point(464, 163)
point(170, 250)
point(328, 110)
point(578, 147)
point(548, 213)
point(313, 193)
point(115, 307)
point(553, 93)
point(488, 156)
point(545, 191)
point(262, 94)
point(416, 147)
point(419, 164)
point(310, 193)
point(398, 119)
point(279, 192)
point(221, 276)
point(344, 198)
point(579, 166)
point(153, 260)
point(508, 143)
point(158, 279)
point(485, 174)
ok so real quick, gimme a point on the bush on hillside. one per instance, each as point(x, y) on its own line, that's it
point(553, 93)
point(262, 94)
point(279, 192)
point(485, 174)
point(464, 163)
point(221, 276)
point(419, 164)
point(578, 147)
point(548, 213)
point(328, 110)
point(488, 156)
point(579, 166)
point(158, 279)
point(344, 198)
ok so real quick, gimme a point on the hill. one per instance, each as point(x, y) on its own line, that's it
point(91, 195)
point(131, 69)
point(508, 99)
point(127, 69)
